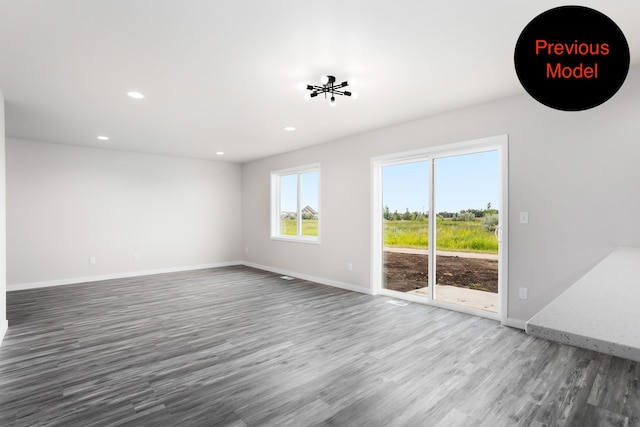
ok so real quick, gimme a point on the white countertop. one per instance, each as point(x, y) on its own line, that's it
point(601, 311)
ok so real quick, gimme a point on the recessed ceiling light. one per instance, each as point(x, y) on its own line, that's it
point(289, 128)
point(103, 138)
point(135, 95)
point(219, 153)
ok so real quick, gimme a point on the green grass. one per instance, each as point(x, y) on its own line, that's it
point(288, 227)
point(465, 236)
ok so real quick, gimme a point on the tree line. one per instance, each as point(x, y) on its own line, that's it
point(488, 216)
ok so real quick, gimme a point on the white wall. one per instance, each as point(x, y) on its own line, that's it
point(3, 235)
point(576, 173)
point(66, 204)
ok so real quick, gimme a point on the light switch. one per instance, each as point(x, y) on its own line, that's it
point(524, 217)
point(522, 293)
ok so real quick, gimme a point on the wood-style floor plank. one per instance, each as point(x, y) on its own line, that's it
point(236, 346)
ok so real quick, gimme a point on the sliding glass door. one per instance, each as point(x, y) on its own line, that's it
point(440, 227)
point(466, 198)
point(405, 204)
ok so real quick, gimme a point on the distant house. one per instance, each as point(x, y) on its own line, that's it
point(308, 209)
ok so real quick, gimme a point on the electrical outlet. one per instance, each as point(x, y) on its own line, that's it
point(522, 293)
point(524, 217)
point(246, 249)
point(92, 260)
point(136, 257)
point(350, 266)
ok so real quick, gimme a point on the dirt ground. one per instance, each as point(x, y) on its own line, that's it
point(406, 272)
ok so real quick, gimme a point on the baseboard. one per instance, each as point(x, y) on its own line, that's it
point(4, 325)
point(315, 279)
point(516, 323)
point(88, 279)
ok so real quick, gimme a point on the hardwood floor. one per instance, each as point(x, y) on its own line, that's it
point(236, 346)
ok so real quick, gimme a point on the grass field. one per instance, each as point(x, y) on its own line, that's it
point(465, 236)
point(309, 227)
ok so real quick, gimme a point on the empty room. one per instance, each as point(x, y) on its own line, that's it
point(243, 213)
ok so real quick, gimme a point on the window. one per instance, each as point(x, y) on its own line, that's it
point(295, 204)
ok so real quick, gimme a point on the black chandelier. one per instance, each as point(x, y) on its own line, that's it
point(329, 87)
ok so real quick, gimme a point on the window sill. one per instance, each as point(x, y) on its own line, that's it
point(298, 239)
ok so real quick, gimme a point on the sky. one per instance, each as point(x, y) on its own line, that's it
point(462, 182)
point(308, 193)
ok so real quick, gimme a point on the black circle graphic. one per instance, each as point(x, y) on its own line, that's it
point(572, 58)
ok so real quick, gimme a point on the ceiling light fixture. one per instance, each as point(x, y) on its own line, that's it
point(219, 153)
point(329, 87)
point(135, 95)
point(103, 138)
point(289, 128)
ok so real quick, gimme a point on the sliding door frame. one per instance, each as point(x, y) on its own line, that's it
point(499, 143)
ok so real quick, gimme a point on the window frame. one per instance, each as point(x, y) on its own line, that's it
point(275, 204)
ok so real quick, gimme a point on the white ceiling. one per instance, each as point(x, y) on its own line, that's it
point(223, 75)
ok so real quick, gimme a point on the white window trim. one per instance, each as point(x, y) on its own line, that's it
point(275, 204)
